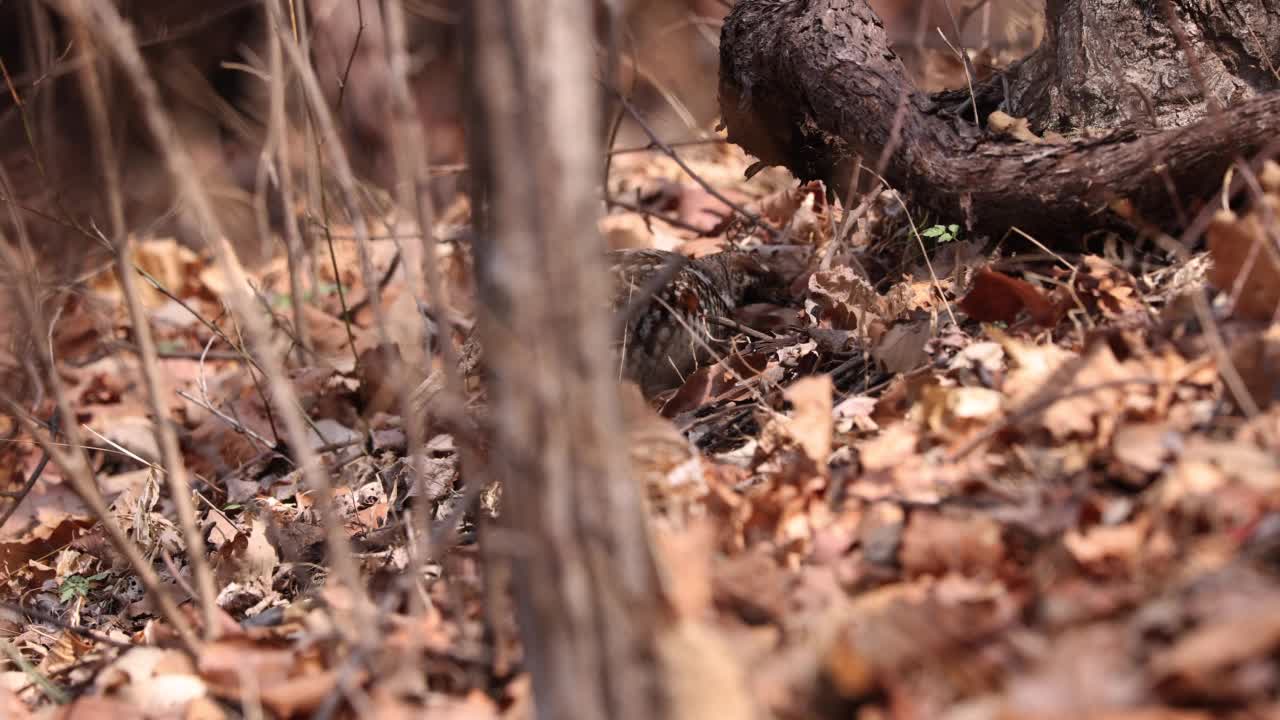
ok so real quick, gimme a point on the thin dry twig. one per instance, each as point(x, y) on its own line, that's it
point(75, 467)
point(387, 276)
point(667, 150)
point(51, 691)
point(414, 178)
point(45, 617)
point(75, 464)
point(655, 147)
point(963, 54)
point(937, 285)
point(166, 438)
point(343, 174)
point(673, 222)
point(106, 24)
point(355, 48)
point(20, 495)
point(276, 132)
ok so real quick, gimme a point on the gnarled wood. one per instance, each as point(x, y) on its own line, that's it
point(1111, 65)
point(811, 84)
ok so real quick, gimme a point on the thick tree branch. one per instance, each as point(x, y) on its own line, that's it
point(583, 576)
point(812, 84)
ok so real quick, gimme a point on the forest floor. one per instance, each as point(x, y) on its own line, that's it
point(953, 477)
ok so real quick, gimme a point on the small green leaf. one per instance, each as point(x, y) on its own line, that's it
point(73, 586)
point(954, 229)
point(934, 231)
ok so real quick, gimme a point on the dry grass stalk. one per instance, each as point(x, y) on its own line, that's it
point(166, 438)
point(105, 23)
point(332, 141)
point(74, 463)
point(414, 178)
point(277, 139)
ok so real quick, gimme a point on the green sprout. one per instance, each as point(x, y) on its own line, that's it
point(943, 233)
point(78, 586)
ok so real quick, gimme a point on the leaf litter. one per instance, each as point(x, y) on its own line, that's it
point(994, 485)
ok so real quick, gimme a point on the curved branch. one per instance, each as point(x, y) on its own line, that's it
point(812, 84)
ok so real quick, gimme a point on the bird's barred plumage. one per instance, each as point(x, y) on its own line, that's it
point(667, 305)
point(664, 308)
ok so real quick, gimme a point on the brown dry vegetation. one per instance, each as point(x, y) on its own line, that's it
point(256, 464)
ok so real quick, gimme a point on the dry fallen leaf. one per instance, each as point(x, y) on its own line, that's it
point(811, 418)
point(1215, 662)
point(1104, 287)
point(843, 298)
point(1246, 263)
point(1105, 546)
point(1018, 128)
point(96, 707)
point(955, 411)
point(249, 559)
point(1078, 393)
point(996, 297)
point(1269, 178)
point(1109, 549)
point(1255, 357)
point(751, 585)
point(153, 681)
point(934, 544)
point(10, 706)
point(902, 348)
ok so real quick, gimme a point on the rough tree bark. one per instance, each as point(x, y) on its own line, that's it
point(814, 84)
point(573, 527)
point(1109, 65)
